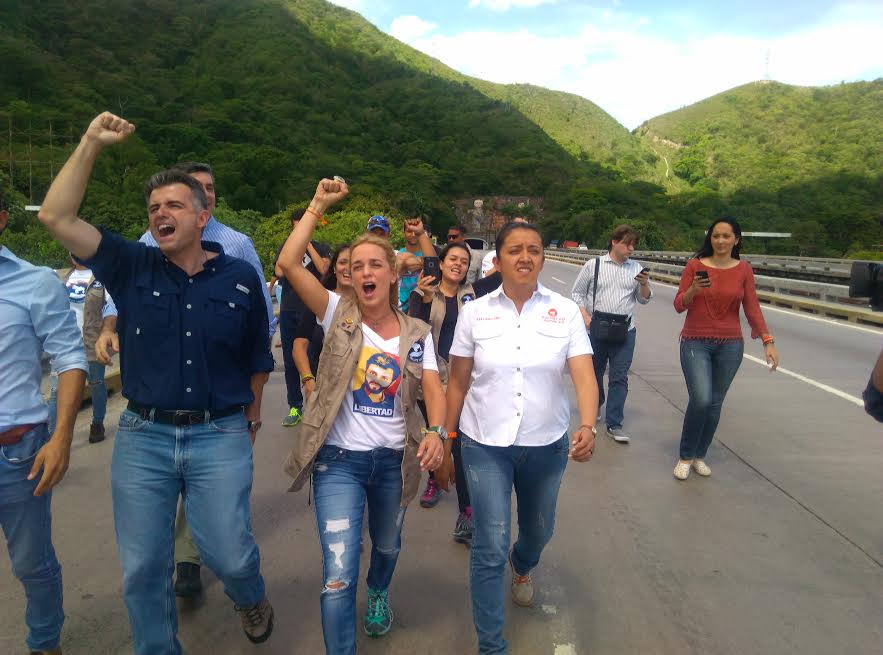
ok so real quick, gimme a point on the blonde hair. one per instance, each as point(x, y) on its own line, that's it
point(374, 240)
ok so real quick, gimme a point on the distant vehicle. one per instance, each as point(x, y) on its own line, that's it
point(582, 246)
point(569, 244)
point(553, 244)
point(477, 244)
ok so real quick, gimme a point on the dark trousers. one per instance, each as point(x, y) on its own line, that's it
point(287, 325)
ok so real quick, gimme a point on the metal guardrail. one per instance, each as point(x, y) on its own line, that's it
point(803, 295)
point(832, 271)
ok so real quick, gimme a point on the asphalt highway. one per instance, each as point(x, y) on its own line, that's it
point(779, 551)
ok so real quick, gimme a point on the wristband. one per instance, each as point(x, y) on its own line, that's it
point(319, 216)
point(306, 378)
point(452, 435)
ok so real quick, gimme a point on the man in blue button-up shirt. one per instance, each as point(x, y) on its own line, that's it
point(193, 354)
point(34, 317)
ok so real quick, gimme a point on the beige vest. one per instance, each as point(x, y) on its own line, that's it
point(92, 306)
point(337, 365)
point(437, 317)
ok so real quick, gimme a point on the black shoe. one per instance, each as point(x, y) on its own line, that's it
point(187, 581)
point(96, 432)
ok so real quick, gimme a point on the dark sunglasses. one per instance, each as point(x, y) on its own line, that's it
point(454, 236)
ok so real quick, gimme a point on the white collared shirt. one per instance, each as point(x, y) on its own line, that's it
point(517, 394)
point(618, 290)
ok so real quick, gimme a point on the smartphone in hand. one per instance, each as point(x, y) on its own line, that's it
point(431, 268)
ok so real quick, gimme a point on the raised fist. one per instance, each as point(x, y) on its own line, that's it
point(329, 192)
point(108, 129)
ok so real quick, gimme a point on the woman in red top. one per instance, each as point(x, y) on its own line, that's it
point(713, 285)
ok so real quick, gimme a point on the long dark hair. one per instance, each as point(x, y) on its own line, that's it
point(705, 250)
point(329, 280)
point(462, 246)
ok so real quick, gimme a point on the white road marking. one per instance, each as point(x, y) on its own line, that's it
point(558, 281)
point(765, 307)
point(565, 649)
point(824, 387)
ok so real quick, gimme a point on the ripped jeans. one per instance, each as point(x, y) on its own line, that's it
point(343, 481)
point(492, 472)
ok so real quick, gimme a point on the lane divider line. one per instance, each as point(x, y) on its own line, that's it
point(824, 387)
point(558, 281)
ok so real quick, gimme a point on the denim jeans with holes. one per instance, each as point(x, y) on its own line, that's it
point(27, 523)
point(344, 481)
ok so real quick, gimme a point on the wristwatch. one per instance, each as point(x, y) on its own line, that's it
point(436, 429)
point(254, 426)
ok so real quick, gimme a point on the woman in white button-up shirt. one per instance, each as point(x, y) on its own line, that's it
point(511, 349)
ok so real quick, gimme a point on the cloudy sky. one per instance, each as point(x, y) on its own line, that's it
point(641, 58)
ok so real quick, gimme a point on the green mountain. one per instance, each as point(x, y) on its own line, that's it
point(767, 135)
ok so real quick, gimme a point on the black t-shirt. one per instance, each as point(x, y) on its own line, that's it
point(291, 302)
point(487, 284)
point(308, 328)
point(419, 309)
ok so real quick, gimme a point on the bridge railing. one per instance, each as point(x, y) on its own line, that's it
point(805, 295)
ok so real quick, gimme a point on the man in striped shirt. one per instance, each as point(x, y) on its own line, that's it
point(622, 282)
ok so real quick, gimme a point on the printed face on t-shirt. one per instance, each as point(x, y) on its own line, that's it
point(376, 382)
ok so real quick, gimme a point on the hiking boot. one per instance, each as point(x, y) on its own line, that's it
point(431, 495)
point(293, 418)
point(96, 432)
point(378, 618)
point(463, 528)
point(618, 435)
point(187, 581)
point(257, 621)
point(522, 586)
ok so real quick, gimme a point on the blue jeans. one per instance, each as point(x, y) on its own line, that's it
point(620, 358)
point(491, 473)
point(709, 368)
point(287, 326)
point(343, 481)
point(27, 523)
point(210, 465)
point(97, 388)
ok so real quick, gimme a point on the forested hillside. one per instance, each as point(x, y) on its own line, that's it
point(275, 94)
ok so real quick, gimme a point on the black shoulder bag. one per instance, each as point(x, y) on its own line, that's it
point(606, 328)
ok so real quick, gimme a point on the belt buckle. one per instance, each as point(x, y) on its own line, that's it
point(182, 417)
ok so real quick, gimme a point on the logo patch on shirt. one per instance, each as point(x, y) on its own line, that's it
point(552, 317)
point(467, 297)
point(243, 288)
point(416, 352)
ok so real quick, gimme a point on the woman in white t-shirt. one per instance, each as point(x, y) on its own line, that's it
point(362, 437)
point(506, 389)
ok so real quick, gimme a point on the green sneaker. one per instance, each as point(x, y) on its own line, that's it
point(293, 418)
point(378, 618)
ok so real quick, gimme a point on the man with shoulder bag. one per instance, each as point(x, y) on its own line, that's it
point(606, 290)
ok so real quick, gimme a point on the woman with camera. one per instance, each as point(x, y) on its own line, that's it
point(715, 282)
point(438, 302)
point(362, 440)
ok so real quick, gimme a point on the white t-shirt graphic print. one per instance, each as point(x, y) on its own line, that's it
point(371, 413)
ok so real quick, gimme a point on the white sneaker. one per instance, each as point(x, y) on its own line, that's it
point(701, 468)
point(682, 470)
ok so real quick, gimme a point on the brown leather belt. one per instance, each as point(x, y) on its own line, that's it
point(14, 435)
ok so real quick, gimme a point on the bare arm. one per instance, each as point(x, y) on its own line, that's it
point(290, 261)
point(321, 263)
point(431, 451)
point(54, 457)
point(253, 411)
point(59, 209)
point(108, 341)
point(586, 385)
point(302, 363)
point(459, 375)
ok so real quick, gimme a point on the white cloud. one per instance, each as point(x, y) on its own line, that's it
point(410, 28)
point(635, 74)
point(506, 5)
